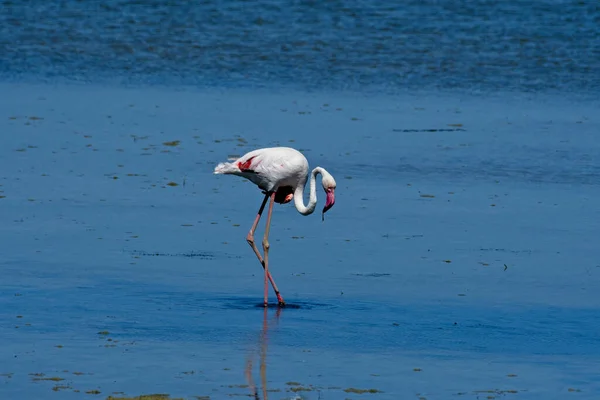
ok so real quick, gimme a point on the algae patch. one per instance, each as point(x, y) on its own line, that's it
point(297, 389)
point(362, 391)
point(43, 378)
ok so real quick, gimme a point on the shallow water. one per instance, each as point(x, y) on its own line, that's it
point(475, 46)
point(459, 260)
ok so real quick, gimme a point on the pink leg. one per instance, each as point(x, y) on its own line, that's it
point(250, 240)
point(266, 247)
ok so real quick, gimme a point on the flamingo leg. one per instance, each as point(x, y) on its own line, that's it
point(266, 247)
point(250, 240)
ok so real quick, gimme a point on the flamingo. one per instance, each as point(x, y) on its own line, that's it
point(281, 173)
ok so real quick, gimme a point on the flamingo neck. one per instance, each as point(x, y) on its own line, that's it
point(312, 198)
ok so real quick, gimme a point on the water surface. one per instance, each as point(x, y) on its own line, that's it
point(476, 46)
point(459, 260)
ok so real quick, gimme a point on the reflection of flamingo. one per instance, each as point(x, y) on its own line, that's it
point(281, 173)
point(263, 359)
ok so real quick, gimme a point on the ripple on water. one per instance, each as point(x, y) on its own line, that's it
point(476, 45)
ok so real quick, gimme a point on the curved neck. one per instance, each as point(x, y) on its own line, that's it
point(312, 199)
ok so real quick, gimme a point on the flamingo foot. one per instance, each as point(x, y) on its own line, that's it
point(280, 304)
point(280, 300)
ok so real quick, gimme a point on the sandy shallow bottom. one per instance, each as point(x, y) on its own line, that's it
point(460, 259)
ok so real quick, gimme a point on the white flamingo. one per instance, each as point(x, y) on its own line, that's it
point(281, 173)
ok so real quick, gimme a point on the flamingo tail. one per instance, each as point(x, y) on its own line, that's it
point(226, 168)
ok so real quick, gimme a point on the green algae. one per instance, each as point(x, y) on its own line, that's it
point(362, 391)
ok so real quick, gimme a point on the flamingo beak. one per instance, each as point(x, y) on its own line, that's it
point(329, 202)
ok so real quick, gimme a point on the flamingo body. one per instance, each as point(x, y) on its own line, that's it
point(269, 168)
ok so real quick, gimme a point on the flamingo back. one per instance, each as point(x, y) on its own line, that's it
point(269, 168)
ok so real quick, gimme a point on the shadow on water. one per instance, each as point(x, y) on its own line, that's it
point(249, 303)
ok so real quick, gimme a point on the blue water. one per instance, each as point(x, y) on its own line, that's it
point(435, 330)
point(454, 261)
point(475, 46)
point(460, 259)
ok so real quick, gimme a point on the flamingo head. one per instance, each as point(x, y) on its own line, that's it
point(329, 187)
